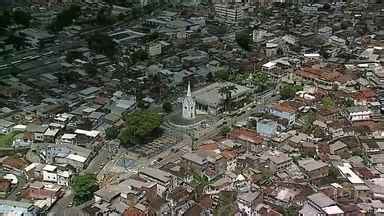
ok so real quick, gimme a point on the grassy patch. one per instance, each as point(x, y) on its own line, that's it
point(6, 140)
point(226, 205)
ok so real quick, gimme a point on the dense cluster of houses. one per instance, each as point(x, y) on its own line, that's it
point(311, 143)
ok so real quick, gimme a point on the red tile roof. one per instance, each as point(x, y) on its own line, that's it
point(364, 172)
point(267, 211)
point(247, 135)
point(371, 125)
point(284, 107)
point(366, 94)
point(132, 211)
point(33, 194)
point(321, 74)
point(206, 202)
point(208, 146)
point(229, 154)
point(14, 163)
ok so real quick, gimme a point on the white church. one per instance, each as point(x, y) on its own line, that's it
point(189, 105)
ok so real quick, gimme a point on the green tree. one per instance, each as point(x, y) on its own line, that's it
point(111, 133)
point(65, 18)
point(69, 77)
point(349, 102)
point(328, 103)
point(226, 92)
point(83, 188)
point(222, 75)
point(167, 107)
point(200, 184)
point(290, 211)
point(151, 37)
point(102, 44)
point(289, 91)
point(333, 173)
point(22, 18)
point(225, 130)
point(308, 120)
point(18, 42)
point(139, 55)
point(323, 52)
point(104, 17)
point(90, 69)
point(71, 55)
point(226, 205)
point(243, 39)
point(261, 81)
point(265, 12)
point(5, 19)
point(140, 127)
point(210, 77)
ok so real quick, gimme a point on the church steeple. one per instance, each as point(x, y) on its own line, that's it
point(189, 105)
point(189, 90)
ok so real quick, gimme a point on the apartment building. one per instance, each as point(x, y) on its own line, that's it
point(229, 13)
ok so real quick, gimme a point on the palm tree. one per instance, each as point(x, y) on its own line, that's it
point(226, 92)
point(200, 184)
point(260, 81)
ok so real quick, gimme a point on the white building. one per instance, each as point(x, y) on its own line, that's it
point(271, 49)
point(358, 113)
point(189, 105)
point(336, 41)
point(5, 126)
point(164, 180)
point(346, 171)
point(68, 139)
point(231, 14)
point(325, 32)
point(35, 37)
point(247, 202)
point(154, 49)
point(320, 204)
point(53, 174)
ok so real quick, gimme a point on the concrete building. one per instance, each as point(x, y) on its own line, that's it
point(8, 207)
point(271, 49)
point(358, 113)
point(320, 204)
point(230, 14)
point(35, 37)
point(266, 127)
point(154, 49)
point(247, 202)
point(164, 180)
point(209, 100)
point(55, 175)
point(284, 111)
point(325, 32)
point(278, 161)
point(5, 126)
point(314, 169)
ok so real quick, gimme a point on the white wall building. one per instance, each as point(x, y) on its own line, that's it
point(358, 113)
point(231, 14)
point(68, 139)
point(154, 49)
point(247, 202)
point(53, 174)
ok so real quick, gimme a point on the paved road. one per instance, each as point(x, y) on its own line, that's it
point(62, 203)
point(102, 158)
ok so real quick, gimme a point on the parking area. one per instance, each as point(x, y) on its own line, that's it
point(154, 147)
